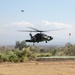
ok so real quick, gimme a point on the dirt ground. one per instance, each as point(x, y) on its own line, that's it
point(38, 68)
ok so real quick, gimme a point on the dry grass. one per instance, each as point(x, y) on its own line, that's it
point(38, 68)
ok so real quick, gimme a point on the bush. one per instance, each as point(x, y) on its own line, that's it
point(12, 57)
point(44, 55)
point(28, 53)
point(3, 57)
point(20, 55)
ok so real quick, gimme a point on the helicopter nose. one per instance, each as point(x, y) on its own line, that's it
point(50, 38)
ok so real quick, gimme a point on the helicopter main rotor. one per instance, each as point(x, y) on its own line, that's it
point(36, 30)
point(39, 37)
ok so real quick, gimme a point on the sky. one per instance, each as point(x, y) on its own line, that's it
point(40, 14)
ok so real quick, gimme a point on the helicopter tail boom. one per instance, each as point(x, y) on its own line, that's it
point(30, 40)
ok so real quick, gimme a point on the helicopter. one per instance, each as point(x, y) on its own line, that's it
point(40, 36)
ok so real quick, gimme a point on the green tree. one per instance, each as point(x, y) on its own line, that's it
point(20, 45)
point(54, 52)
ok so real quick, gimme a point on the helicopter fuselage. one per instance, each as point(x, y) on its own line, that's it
point(39, 37)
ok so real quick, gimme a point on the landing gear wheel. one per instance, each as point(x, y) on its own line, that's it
point(46, 41)
point(33, 44)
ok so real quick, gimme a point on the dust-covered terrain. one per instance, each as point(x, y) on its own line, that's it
point(38, 68)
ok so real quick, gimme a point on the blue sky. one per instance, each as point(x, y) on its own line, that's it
point(40, 14)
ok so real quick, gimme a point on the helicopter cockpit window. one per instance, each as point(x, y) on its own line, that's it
point(44, 35)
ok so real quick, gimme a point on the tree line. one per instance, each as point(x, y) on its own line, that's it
point(23, 52)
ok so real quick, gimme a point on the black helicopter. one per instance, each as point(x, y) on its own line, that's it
point(39, 37)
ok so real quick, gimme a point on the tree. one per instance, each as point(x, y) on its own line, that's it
point(68, 45)
point(54, 52)
point(20, 45)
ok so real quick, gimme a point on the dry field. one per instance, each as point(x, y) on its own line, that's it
point(38, 68)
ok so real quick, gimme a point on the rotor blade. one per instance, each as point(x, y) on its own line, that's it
point(34, 29)
point(53, 30)
point(26, 31)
